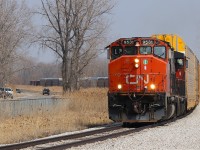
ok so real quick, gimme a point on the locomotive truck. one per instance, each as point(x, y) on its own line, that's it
point(151, 78)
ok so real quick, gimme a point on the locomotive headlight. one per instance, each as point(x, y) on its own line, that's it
point(136, 65)
point(152, 86)
point(136, 60)
point(119, 86)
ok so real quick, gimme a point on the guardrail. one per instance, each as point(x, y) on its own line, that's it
point(27, 107)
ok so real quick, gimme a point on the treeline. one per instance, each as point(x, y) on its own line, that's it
point(32, 70)
point(75, 30)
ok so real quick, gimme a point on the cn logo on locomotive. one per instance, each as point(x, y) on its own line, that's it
point(134, 79)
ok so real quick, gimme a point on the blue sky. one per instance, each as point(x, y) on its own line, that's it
point(132, 18)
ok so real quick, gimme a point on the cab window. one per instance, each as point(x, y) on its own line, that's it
point(130, 50)
point(179, 63)
point(160, 51)
point(116, 51)
point(145, 50)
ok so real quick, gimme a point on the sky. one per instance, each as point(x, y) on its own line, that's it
point(136, 18)
point(146, 17)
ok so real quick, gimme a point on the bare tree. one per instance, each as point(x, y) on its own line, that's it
point(98, 67)
point(15, 27)
point(35, 71)
point(74, 30)
point(24, 70)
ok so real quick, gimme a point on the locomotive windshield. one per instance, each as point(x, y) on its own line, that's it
point(130, 50)
point(160, 51)
point(145, 50)
point(116, 51)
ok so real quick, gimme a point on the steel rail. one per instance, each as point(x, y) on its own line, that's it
point(93, 140)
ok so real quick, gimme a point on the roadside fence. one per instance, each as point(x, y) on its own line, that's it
point(27, 107)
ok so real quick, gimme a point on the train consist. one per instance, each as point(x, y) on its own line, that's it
point(151, 78)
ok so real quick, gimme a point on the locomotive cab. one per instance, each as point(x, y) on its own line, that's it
point(145, 77)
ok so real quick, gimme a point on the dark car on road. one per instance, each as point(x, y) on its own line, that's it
point(18, 90)
point(46, 91)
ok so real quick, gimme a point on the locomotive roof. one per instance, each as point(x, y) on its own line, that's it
point(135, 39)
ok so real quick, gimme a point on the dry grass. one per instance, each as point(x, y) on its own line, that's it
point(87, 107)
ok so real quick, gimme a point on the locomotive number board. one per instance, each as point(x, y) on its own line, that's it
point(127, 42)
point(147, 42)
point(144, 42)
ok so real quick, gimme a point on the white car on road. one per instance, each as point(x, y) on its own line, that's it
point(7, 90)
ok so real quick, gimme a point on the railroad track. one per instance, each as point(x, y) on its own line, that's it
point(74, 140)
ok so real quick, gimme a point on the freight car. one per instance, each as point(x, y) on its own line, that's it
point(151, 78)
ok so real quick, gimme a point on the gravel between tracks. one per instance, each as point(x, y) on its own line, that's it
point(183, 134)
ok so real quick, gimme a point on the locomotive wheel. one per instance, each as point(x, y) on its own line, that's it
point(126, 124)
point(185, 107)
point(171, 110)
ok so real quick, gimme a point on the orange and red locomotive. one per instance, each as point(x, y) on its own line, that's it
point(150, 79)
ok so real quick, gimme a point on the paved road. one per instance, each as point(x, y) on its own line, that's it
point(31, 95)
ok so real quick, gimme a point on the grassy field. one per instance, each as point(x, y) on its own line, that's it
point(87, 107)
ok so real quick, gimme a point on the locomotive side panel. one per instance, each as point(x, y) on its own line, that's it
point(192, 70)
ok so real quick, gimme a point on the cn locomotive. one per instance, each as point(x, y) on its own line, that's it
point(151, 78)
